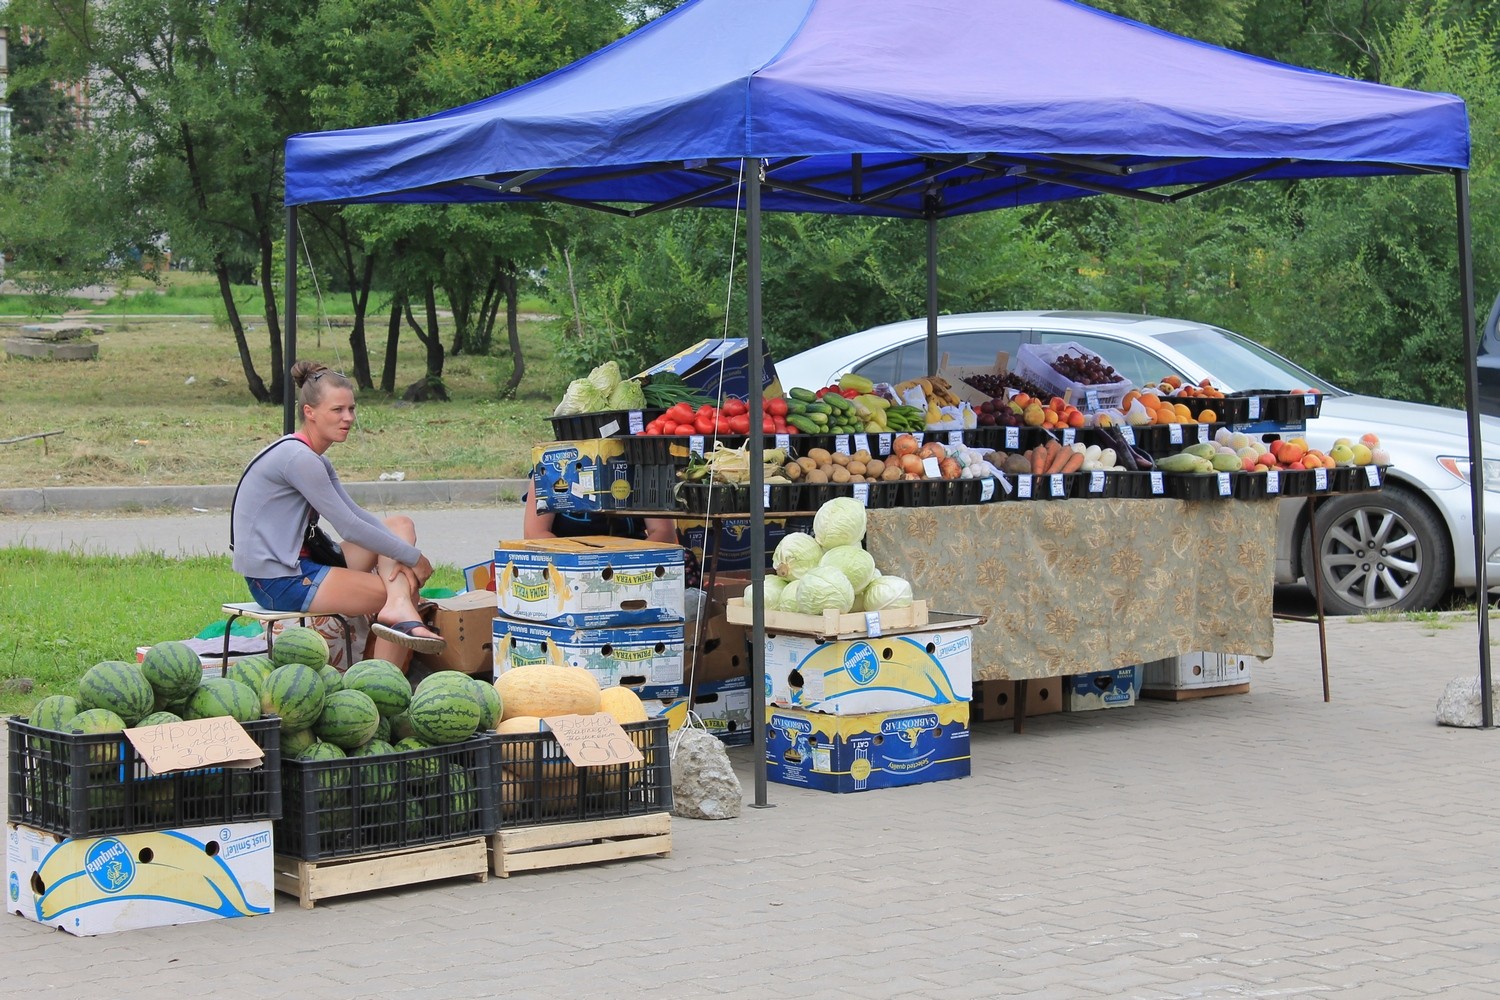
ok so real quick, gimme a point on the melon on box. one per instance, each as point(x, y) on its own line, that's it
point(884, 674)
point(589, 581)
point(645, 657)
point(855, 753)
point(100, 885)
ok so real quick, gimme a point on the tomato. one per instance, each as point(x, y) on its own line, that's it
point(707, 410)
point(849, 393)
point(739, 424)
point(776, 407)
point(704, 421)
point(768, 425)
point(734, 407)
point(654, 427)
point(680, 412)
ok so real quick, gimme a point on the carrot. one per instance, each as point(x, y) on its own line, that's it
point(1074, 463)
point(1059, 459)
point(1038, 457)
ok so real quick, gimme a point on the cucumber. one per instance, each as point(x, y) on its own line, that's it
point(821, 419)
point(803, 423)
point(819, 407)
point(802, 395)
point(838, 402)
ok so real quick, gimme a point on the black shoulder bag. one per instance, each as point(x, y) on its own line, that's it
point(320, 548)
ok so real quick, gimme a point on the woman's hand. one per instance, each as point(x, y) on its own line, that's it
point(423, 570)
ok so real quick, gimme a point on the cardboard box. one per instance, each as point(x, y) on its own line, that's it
point(994, 701)
point(731, 538)
point(720, 651)
point(858, 676)
point(480, 576)
point(590, 582)
point(580, 475)
point(723, 708)
point(100, 885)
point(645, 657)
point(1090, 692)
point(1196, 670)
point(467, 623)
point(855, 753)
point(720, 368)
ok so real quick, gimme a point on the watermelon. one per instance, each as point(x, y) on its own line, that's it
point(460, 803)
point(160, 719)
point(418, 769)
point(54, 712)
point(447, 680)
point(349, 719)
point(119, 687)
point(383, 681)
point(300, 644)
point(489, 703)
point(296, 693)
point(383, 731)
point(220, 696)
point(252, 672)
point(378, 781)
point(294, 741)
point(333, 678)
point(98, 722)
point(401, 728)
point(173, 670)
point(330, 779)
point(440, 716)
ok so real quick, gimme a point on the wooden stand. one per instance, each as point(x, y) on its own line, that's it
point(1188, 694)
point(529, 848)
point(311, 881)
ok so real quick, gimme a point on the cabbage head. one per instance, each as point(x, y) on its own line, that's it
point(628, 395)
point(581, 397)
point(606, 377)
point(840, 521)
point(854, 562)
point(788, 599)
point(824, 588)
point(887, 592)
point(774, 586)
point(795, 555)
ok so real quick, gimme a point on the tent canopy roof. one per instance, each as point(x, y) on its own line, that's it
point(903, 108)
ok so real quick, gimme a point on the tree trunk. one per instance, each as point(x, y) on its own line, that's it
point(513, 334)
point(253, 380)
point(358, 347)
point(392, 338)
point(268, 296)
point(430, 385)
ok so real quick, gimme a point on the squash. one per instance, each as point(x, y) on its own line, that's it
point(622, 704)
point(544, 689)
point(518, 724)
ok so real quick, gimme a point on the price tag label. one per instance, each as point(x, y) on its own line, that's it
point(783, 441)
point(921, 436)
point(1012, 438)
point(1128, 433)
point(872, 623)
point(987, 490)
point(955, 439)
point(1157, 486)
point(841, 444)
point(1372, 475)
point(1096, 481)
point(766, 497)
point(1273, 481)
point(1069, 435)
point(1310, 399)
point(1202, 433)
point(1224, 488)
point(637, 422)
point(593, 740)
point(1057, 486)
point(885, 444)
point(862, 494)
point(1254, 407)
point(930, 468)
point(1174, 433)
point(610, 429)
point(1023, 486)
point(1320, 479)
point(861, 443)
point(1091, 398)
point(695, 443)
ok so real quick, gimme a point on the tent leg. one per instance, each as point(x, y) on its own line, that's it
point(932, 295)
point(757, 445)
point(289, 313)
point(1476, 453)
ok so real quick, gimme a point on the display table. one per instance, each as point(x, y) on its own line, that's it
point(1075, 586)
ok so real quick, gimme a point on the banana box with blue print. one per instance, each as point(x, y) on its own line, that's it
point(583, 476)
point(728, 540)
point(881, 674)
point(590, 581)
point(722, 708)
point(857, 753)
point(645, 657)
point(129, 881)
point(1090, 692)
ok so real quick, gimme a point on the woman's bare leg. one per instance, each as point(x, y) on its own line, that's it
point(366, 588)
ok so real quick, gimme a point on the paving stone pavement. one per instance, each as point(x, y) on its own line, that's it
point(1263, 845)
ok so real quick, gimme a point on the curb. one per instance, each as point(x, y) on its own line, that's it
point(65, 499)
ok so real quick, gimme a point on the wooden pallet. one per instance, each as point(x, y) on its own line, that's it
point(311, 881)
point(1188, 694)
point(529, 848)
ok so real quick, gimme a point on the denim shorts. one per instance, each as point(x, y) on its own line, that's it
point(289, 593)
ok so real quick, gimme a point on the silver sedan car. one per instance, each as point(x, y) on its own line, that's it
point(1401, 548)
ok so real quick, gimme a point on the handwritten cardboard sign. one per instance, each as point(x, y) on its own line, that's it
point(187, 746)
point(593, 740)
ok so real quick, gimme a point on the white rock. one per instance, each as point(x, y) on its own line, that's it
point(1459, 703)
point(704, 785)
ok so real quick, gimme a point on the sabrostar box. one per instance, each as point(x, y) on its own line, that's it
point(580, 475)
point(1101, 689)
point(855, 753)
point(99, 885)
point(465, 622)
point(857, 676)
point(592, 581)
point(720, 367)
point(645, 657)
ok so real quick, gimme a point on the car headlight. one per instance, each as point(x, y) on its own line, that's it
point(1459, 467)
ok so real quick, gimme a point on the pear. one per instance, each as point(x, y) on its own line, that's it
point(1342, 453)
point(1362, 454)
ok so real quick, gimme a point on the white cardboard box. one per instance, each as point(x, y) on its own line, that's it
point(589, 582)
point(1197, 670)
point(858, 676)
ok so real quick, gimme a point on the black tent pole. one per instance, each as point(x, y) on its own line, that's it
point(757, 478)
point(932, 291)
point(289, 313)
point(1476, 451)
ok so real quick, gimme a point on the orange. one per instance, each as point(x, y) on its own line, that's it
point(1183, 411)
point(1207, 416)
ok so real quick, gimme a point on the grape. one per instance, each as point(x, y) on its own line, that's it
point(1085, 369)
point(994, 385)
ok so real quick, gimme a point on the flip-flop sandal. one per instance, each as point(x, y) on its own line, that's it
point(401, 634)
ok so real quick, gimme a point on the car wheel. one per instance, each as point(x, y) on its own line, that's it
point(1384, 550)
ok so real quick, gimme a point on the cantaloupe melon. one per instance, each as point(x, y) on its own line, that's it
point(622, 704)
point(543, 690)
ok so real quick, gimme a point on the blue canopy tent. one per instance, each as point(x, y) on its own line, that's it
point(906, 108)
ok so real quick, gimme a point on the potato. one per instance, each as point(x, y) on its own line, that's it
point(817, 476)
point(840, 474)
point(861, 456)
point(856, 468)
point(874, 467)
point(839, 458)
point(891, 474)
point(807, 463)
point(819, 456)
point(792, 471)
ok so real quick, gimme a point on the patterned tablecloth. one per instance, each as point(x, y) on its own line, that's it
point(1072, 586)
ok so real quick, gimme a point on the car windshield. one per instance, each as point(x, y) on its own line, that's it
point(1241, 363)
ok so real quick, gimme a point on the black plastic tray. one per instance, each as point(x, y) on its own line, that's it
point(1198, 485)
point(535, 783)
point(1278, 406)
point(586, 426)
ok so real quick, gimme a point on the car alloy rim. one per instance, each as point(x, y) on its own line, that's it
point(1371, 557)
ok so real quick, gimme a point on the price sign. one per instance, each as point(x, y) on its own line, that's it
point(1254, 407)
point(1273, 481)
point(1096, 481)
point(610, 429)
point(1058, 488)
point(955, 439)
point(1224, 488)
point(1310, 399)
point(1320, 479)
point(872, 623)
point(1069, 435)
point(1091, 399)
point(930, 468)
point(186, 746)
point(766, 499)
point(1128, 433)
point(637, 421)
point(1157, 486)
point(987, 490)
point(861, 443)
point(695, 444)
point(1023, 485)
point(1202, 433)
point(593, 740)
point(862, 494)
point(1012, 438)
point(783, 441)
point(841, 444)
point(885, 444)
point(1174, 433)
point(921, 436)
point(1372, 475)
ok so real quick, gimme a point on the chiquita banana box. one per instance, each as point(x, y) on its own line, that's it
point(99, 885)
point(645, 657)
point(580, 475)
point(855, 753)
point(885, 674)
point(589, 581)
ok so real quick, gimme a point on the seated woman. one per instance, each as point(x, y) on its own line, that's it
point(291, 484)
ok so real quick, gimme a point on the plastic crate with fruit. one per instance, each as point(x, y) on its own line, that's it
point(1105, 388)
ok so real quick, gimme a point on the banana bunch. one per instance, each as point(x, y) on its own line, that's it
point(937, 389)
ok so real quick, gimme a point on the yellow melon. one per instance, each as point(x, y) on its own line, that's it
point(622, 704)
point(544, 690)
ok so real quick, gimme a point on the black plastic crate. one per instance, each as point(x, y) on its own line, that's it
point(726, 498)
point(586, 426)
point(1278, 406)
point(535, 783)
point(1251, 486)
point(653, 487)
point(91, 785)
point(1103, 485)
point(676, 449)
point(358, 805)
point(1198, 485)
point(1138, 486)
point(994, 438)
